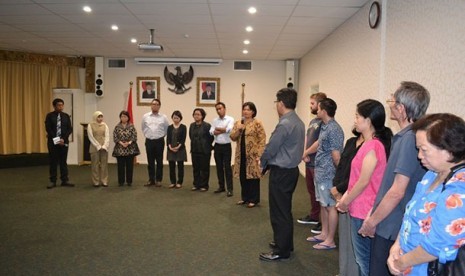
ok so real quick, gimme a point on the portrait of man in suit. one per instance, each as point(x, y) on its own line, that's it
point(149, 92)
point(208, 93)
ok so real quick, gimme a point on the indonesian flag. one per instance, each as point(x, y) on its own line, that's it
point(129, 108)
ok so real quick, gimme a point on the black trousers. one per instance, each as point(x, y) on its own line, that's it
point(58, 155)
point(250, 188)
point(201, 169)
point(223, 165)
point(154, 149)
point(379, 254)
point(125, 169)
point(173, 172)
point(282, 185)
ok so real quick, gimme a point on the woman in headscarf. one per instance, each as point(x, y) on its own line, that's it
point(99, 137)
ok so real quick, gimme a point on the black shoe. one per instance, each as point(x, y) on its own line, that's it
point(51, 185)
point(229, 194)
point(219, 191)
point(272, 257)
point(129, 184)
point(66, 184)
point(316, 229)
point(273, 245)
point(307, 220)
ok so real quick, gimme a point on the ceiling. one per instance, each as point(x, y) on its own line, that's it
point(283, 29)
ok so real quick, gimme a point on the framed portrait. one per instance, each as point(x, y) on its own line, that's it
point(148, 88)
point(208, 91)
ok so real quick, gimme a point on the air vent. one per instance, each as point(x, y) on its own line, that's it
point(116, 63)
point(242, 65)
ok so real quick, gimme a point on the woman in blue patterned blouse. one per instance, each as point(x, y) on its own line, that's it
point(433, 227)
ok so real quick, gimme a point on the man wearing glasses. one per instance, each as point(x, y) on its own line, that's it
point(403, 172)
point(282, 155)
point(154, 127)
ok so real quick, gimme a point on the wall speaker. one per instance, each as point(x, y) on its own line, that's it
point(292, 73)
point(99, 77)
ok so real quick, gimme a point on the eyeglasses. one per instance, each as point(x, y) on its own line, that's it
point(390, 101)
point(276, 101)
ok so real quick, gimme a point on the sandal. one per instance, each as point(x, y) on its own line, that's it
point(178, 186)
point(171, 186)
point(241, 202)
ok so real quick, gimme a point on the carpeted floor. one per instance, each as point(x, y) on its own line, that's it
point(141, 231)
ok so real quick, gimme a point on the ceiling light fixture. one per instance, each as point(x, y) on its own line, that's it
point(114, 27)
point(252, 10)
point(86, 9)
point(133, 40)
point(249, 29)
point(151, 46)
point(245, 52)
point(246, 42)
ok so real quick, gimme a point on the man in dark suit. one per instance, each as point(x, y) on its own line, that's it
point(58, 126)
point(148, 93)
point(208, 94)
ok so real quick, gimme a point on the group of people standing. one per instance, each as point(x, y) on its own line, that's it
point(396, 198)
point(247, 132)
point(393, 218)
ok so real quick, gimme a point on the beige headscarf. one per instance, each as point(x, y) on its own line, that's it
point(95, 116)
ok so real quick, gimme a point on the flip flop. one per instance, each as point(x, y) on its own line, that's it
point(320, 246)
point(313, 239)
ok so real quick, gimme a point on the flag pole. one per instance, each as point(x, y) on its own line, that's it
point(242, 95)
point(129, 110)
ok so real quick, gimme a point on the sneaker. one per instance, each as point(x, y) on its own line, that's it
point(316, 229)
point(307, 220)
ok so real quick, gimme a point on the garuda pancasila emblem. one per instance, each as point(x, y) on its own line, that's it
point(179, 80)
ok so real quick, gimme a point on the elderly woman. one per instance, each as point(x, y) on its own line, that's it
point(126, 148)
point(250, 137)
point(433, 226)
point(201, 147)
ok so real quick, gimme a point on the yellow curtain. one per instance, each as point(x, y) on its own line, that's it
point(25, 100)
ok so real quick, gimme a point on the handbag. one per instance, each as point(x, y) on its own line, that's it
point(457, 266)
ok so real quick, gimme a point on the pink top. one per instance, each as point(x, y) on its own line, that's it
point(363, 203)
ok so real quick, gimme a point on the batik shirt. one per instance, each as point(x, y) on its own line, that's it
point(435, 220)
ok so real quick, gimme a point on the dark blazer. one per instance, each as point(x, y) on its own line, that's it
point(51, 126)
point(201, 140)
point(205, 97)
point(181, 135)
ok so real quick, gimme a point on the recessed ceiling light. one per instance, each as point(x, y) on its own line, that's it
point(114, 27)
point(245, 52)
point(133, 40)
point(86, 9)
point(246, 42)
point(186, 35)
point(249, 29)
point(252, 10)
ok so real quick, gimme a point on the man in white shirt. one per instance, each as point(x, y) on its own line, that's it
point(221, 127)
point(154, 127)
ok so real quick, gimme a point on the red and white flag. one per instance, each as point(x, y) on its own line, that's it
point(129, 108)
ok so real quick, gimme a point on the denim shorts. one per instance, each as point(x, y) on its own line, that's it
point(323, 193)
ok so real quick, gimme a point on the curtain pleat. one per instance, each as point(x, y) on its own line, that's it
point(25, 100)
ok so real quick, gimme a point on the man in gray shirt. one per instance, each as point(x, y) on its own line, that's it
point(282, 155)
point(403, 172)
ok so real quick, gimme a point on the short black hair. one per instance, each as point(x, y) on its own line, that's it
point(177, 113)
point(202, 111)
point(445, 131)
point(57, 100)
point(124, 112)
point(288, 96)
point(220, 103)
point(329, 105)
point(252, 107)
point(156, 100)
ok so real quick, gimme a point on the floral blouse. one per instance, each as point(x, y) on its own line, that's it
point(435, 220)
point(125, 134)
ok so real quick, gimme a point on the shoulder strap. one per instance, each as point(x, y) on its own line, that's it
point(453, 170)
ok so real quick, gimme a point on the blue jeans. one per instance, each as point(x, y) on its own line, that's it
point(362, 247)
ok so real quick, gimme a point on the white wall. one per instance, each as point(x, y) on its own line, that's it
point(262, 83)
point(420, 41)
